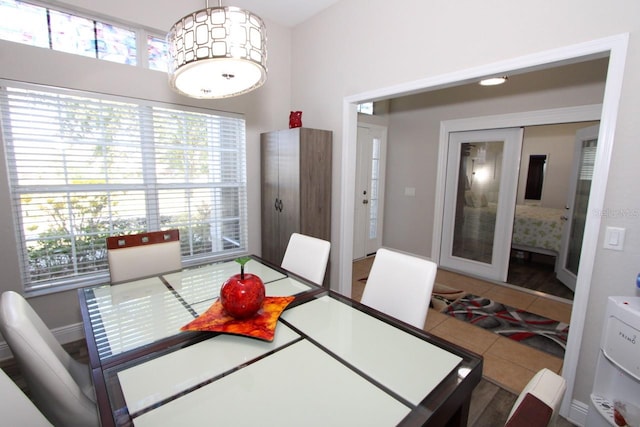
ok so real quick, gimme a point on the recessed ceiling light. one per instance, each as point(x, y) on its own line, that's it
point(493, 81)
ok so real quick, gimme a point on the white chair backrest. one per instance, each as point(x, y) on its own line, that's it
point(60, 386)
point(549, 388)
point(15, 407)
point(400, 285)
point(144, 254)
point(307, 257)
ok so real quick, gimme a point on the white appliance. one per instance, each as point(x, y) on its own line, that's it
point(618, 368)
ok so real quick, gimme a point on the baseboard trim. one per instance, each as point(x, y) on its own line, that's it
point(64, 335)
point(578, 412)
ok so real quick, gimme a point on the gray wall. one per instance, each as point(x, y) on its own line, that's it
point(414, 132)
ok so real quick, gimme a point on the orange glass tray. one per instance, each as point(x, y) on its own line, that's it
point(261, 325)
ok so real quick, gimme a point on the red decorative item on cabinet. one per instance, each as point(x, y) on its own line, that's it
point(295, 119)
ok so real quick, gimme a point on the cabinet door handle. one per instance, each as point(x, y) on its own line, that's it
point(275, 204)
point(280, 205)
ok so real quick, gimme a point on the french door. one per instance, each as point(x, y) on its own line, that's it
point(479, 203)
point(576, 209)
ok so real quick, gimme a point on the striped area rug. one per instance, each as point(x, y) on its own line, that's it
point(527, 328)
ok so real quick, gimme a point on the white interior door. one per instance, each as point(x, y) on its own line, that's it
point(369, 195)
point(479, 203)
point(577, 202)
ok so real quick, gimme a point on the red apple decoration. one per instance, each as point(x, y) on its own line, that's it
point(242, 294)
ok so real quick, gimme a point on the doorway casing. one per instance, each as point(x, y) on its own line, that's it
point(615, 47)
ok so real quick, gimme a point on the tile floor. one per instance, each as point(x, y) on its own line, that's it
point(506, 363)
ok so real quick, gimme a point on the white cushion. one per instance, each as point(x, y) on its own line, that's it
point(141, 261)
point(400, 285)
point(307, 257)
point(16, 408)
point(58, 384)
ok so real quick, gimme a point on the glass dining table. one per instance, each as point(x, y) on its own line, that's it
point(332, 361)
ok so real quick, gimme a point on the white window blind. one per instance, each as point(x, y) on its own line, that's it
point(588, 160)
point(82, 167)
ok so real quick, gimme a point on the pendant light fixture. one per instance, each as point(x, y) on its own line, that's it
point(217, 52)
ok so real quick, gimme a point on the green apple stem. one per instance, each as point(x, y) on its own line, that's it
point(242, 261)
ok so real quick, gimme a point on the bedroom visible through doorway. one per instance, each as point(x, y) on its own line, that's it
point(535, 247)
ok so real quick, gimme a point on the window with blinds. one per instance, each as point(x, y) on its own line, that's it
point(82, 167)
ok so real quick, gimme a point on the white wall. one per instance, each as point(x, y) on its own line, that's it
point(358, 46)
point(265, 109)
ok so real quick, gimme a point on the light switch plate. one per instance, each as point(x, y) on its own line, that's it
point(614, 238)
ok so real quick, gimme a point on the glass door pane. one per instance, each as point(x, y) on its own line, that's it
point(581, 200)
point(477, 199)
point(479, 203)
point(369, 195)
point(374, 190)
point(577, 204)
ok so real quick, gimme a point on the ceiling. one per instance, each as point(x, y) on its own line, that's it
point(284, 12)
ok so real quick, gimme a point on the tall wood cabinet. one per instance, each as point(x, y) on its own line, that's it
point(296, 187)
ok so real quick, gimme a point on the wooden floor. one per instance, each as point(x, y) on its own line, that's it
point(536, 272)
point(490, 406)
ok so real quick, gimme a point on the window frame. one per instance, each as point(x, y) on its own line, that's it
point(141, 33)
point(102, 276)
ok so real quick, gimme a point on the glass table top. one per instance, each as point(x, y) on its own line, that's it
point(130, 315)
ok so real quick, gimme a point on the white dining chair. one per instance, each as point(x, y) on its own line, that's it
point(15, 407)
point(307, 257)
point(538, 403)
point(60, 386)
point(400, 285)
point(144, 254)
